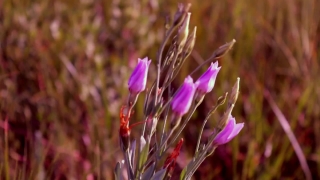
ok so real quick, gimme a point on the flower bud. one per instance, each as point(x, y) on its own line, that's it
point(181, 102)
point(207, 80)
point(151, 125)
point(184, 32)
point(228, 133)
point(222, 50)
point(234, 92)
point(190, 42)
point(138, 79)
point(180, 14)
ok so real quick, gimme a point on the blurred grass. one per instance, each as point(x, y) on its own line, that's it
point(65, 65)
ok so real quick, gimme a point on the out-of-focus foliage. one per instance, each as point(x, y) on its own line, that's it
point(64, 67)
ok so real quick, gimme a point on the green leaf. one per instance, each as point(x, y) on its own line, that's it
point(132, 153)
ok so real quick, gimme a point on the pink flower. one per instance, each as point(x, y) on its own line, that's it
point(138, 79)
point(182, 101)
point(229, 132)
point(207, 80)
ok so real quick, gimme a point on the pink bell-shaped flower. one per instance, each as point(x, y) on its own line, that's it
point(229, 132)
point(138, 79)
point(182, 101)
point(206, 81)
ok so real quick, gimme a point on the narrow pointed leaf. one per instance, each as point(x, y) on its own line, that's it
point(183, 173)
point(117, 171)
point(132, 153)
point(159, 175)
point(187, 169)
point(149, 172)
point(144, 150)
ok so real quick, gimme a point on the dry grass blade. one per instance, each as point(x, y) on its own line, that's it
point(293, 140)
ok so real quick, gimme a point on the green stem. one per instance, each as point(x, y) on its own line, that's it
point(213, 110)
point(183, 125)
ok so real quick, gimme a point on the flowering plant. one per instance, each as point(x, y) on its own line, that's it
point(143, 161)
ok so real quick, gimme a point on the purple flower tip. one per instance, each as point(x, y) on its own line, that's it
point(207, 80)
point(138, 79)
point(229, 132)
point(182, 100)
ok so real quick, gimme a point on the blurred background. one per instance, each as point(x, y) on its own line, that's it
point(64, 66)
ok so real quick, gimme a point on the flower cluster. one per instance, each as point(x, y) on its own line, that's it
point(181, 104)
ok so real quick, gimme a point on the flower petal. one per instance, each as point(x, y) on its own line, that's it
point(206, 81)
point(222, 137)
point(182, 101)
point(237, 128)
point(138, 79)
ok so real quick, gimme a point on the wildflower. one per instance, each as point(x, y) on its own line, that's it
point(229, 132)
point(207, 80)
point(170, 162)
point(138, 79)
point(182, 100)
